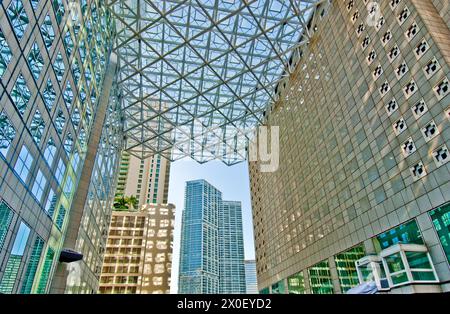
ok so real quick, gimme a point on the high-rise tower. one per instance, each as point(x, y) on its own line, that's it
point(212, 249)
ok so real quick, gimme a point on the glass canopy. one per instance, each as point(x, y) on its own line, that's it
point(196, 76)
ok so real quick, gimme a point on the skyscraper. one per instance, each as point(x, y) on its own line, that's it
point(138, 257)
point(212, 249)
point(251, 280)
point(364, 169)
point(231, 248)
point(147, 179)
point(60, 139)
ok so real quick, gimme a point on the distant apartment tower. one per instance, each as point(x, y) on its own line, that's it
point(138, 257)
point(231, 248)
point(364, 169)
point(147, 179)
point(212, 250)
point(251, 280)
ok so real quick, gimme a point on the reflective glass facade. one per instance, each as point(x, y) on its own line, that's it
point(296, 284)
point(212, 249)
point(346, 268)
point(441, 222)
point(320, 278)
point(53, 60)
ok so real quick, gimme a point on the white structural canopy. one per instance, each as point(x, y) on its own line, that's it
point(197, 75)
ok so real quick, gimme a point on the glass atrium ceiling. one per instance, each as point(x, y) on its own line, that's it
point(197, 75)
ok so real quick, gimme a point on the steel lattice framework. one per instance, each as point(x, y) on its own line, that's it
point(197, 75)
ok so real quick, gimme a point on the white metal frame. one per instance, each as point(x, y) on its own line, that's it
point(197, 76)
point(402, 249)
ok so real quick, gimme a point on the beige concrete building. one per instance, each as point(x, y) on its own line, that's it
point(138, 257)
point(364, 124)
point(147, 179)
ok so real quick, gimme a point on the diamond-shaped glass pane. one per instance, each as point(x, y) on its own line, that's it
point(48, 33)
point(5, 53)
point(20, 94)
point(35, 60)
point(18, 17)
point(7, 133)
point(37, 127)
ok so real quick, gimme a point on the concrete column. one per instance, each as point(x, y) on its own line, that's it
point(58, 284)
point(334, 275)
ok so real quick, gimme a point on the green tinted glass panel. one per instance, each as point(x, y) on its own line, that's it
point(395, 263)
point(42, 287)
point(399, 278)
point(15, 259)
point(6, 215)
point(406, 233)
point(418, 260)
point(320, 278)
point(423, 276)
point(296, 284)
point(345, 265)
point(264, 291)
point(441, 221)
point(32, 265)
point(278, 288)
point(10, 275)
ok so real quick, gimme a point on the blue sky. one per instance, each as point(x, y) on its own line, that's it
point(234, 183)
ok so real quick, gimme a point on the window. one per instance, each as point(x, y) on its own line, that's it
point(37, 127)
point(391, 107)
point(68, 43)
point(405, 233)
point(60, 218)
point(39, 185)
point(296, 284)
point(15, 259)
point(68, 96)
point(68, 143)
point(20, 94)
point(46, 268)
point(18, 17)
point(49, 95)
point(421, 49)
point(50, 151)
point(346, 267)
point(430, 131)
point(399, 126)
point(431, 68)
point(441, 222)
point(60, 171)
point(320, 278)
point(35, 60)
point(419, 109)
point(418, 171)
point(51, 203)
point(408, 147)
point(412, 31)
point(406, 263)
point(5, 53)
point(33, 263)
point(6, 215)
point(68, 187)
point(60, 120)
point(442, 89)
point(58, 8)
point(441, 156)
point(7, 134)
point(59, 67)
point(48, 33)
point(23, 164)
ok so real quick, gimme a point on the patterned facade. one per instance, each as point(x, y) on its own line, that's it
point(364, 135)
point(53, 60)
point(138, 258)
